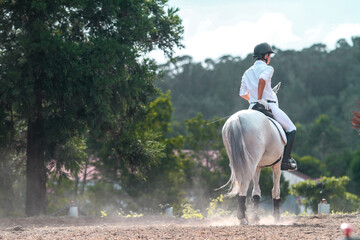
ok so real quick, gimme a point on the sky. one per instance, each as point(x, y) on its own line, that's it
point(214, 28)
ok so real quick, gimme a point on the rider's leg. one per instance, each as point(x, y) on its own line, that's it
point(282, 118)
point(288, 163)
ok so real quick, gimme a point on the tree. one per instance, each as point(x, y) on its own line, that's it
point(338, 164)
point(315, 81)
point(204, 137)
point(330, 188)
point(355, 172)
point(69, 67)
point(72, 158)
point(166, 181)
point(311, 166)
point(324, 137)
point(356, 119)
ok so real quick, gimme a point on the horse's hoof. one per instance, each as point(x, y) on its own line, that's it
point(256, 219)
point(276, 219)
point(243, 221)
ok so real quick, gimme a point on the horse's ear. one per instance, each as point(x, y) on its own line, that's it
point(277, 87)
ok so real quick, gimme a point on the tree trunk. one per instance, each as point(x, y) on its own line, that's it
point(6, 188)
point(35, 168)
point(84, 180)
point(76, 186)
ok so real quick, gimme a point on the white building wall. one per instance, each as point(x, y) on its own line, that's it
point(291, 204)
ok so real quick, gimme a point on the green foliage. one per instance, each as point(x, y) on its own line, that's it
point(355, 172)
point(324, 137)
point(212, 170)
point(70, 156)
point(204, 136)
point(301, 141)
point(330, 188)
point(103, 213)
point(120, 213)
point(311, 86)
point(189, 213)
point(60, 193)
point(346, 163)
point(214, 209)
point(165, 181)
point(158, 114)
point(319, 89)
point(70, 68)
point(12, 187)
point(75, 82)
point(311, 166)
point(319, 139)
point(338, 164)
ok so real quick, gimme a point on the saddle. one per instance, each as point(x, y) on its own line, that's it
point(261, 108)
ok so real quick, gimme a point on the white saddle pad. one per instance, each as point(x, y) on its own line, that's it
point(279, 127)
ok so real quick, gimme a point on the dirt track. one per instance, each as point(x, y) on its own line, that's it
point(313, 227)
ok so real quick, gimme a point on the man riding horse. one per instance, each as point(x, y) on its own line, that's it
point(256, 89)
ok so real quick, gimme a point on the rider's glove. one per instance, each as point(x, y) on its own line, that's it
point(264, 103)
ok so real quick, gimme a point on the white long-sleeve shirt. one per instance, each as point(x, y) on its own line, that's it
point(250, 82)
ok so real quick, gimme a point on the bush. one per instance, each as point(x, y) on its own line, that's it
point(215, 210)
point(189, 212)
point(330, 188)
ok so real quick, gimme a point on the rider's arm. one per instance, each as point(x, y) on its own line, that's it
point(244, 92)
point(265, 76)
point(261, 87)
point(246, 97)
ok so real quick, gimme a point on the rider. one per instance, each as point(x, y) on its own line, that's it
point(256, 88)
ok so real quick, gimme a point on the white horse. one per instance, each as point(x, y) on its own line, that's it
point(252, 142)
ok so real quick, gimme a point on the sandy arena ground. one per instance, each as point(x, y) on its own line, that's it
point(61, 228)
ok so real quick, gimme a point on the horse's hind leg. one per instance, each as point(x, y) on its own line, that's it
point(276, 191)
point(256, 194)
point(241, 214)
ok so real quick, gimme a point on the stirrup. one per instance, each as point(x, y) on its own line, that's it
point(289, 165)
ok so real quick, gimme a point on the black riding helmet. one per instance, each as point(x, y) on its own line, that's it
point(261, 49)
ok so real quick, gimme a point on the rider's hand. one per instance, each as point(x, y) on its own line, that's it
point(264, 103)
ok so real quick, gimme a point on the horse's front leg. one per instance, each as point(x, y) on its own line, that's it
point(276, 191)
point(256, 195)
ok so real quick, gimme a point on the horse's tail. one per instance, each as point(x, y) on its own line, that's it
point(241, 163)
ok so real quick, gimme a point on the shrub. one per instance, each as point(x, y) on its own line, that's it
point(330, 188)
point(214, 210)
point(189, 212)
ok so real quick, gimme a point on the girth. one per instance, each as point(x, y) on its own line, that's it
point(273, 163)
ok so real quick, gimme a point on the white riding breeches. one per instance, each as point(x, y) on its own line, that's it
point(280, 116)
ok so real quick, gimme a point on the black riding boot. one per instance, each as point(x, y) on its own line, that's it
point(288, 163)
